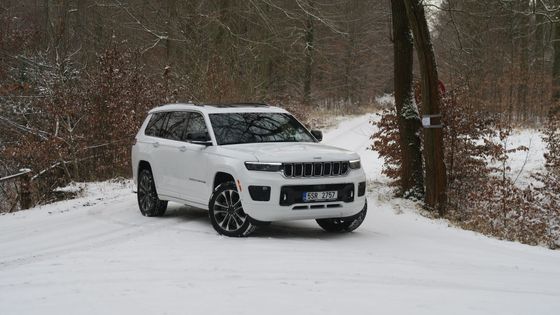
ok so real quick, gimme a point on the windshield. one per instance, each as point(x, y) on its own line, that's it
point(233, 128)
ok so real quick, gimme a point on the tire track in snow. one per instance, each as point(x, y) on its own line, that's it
point(113, 233)
point(361, 128)
point(110, 230)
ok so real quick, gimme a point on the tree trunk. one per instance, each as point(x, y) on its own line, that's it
point(539, 57)
point(45, 23)
point(556, 65)
point(25, 199)
point(307, 77)
point(523, 88)
point(171, 25)
point(98, 42)
point(411, 178)
point(436, 177)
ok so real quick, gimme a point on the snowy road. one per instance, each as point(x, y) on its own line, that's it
point(98, 255)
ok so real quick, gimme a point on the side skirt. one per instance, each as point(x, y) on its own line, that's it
point(190, 203)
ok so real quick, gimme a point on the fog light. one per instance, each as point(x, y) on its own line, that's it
point(361, 189)
point(260, 193)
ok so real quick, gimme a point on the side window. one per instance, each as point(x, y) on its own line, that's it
point(175, 126)
point(196, 125)
point(155, 125)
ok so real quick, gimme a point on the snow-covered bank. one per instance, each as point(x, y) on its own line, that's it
point(525, 163)
point(97, 254)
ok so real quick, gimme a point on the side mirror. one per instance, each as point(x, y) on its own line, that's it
point(202, 138)
point(318, 134)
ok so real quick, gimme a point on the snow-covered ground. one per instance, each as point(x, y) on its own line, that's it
point(524, 163)
point(98, 255)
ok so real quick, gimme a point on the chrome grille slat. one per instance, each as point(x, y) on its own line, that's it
point(336, 168)
point(307, 169)
point(315, 169)
point(300, 167)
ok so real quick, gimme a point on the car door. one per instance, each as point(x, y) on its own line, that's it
point(172, 153)
point(153, 147)
point(193, 167)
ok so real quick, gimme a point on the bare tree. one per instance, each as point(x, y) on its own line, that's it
point(309, 48)
point(436, 177)
point(556, 61)
point(412, 181)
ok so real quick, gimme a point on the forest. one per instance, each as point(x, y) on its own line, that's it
point(78, 76)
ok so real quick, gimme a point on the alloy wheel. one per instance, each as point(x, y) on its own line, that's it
point(228, 211)
point(146, 193)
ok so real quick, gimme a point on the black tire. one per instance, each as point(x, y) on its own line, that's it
point(226, 212)
point(148, 202)
point(349, 224)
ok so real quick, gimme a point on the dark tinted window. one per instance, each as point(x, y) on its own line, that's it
point(231, 128)
point(196, 125)
point(175, 126)
point(155, 125)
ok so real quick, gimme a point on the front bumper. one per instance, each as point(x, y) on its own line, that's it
point(285, 196)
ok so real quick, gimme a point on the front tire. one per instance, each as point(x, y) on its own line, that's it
point(226, 212)
point(148, 202)
point(339, 225)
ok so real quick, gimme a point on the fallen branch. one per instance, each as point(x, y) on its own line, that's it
point(23, 171)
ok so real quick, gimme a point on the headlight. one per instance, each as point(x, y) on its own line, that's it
point(354, 164)
point(265, 167)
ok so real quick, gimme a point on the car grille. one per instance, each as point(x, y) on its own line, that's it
point(315, 169)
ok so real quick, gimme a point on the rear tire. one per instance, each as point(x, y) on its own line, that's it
point(226, 212)
point(148, 202)
point(340, 225)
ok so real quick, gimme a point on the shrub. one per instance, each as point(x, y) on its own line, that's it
point(84, 124)
point(481, 196)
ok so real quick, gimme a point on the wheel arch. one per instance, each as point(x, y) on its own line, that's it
point(143, 164)
point(222, 177)
point(137, 167)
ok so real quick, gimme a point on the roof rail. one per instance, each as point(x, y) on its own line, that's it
point(189, 102)
point(249, 104)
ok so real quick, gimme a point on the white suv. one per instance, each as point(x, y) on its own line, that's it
point(248, 164)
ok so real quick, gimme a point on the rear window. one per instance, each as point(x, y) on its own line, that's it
point(155, 125)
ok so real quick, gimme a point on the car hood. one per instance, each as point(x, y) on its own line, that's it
point(292, 152)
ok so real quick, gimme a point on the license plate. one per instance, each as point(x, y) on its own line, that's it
point(320, 195)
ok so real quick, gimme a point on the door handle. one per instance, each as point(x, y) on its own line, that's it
point(183, 148)
point(155, 144)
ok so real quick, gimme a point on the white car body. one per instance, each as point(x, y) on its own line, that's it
point(187, 173)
